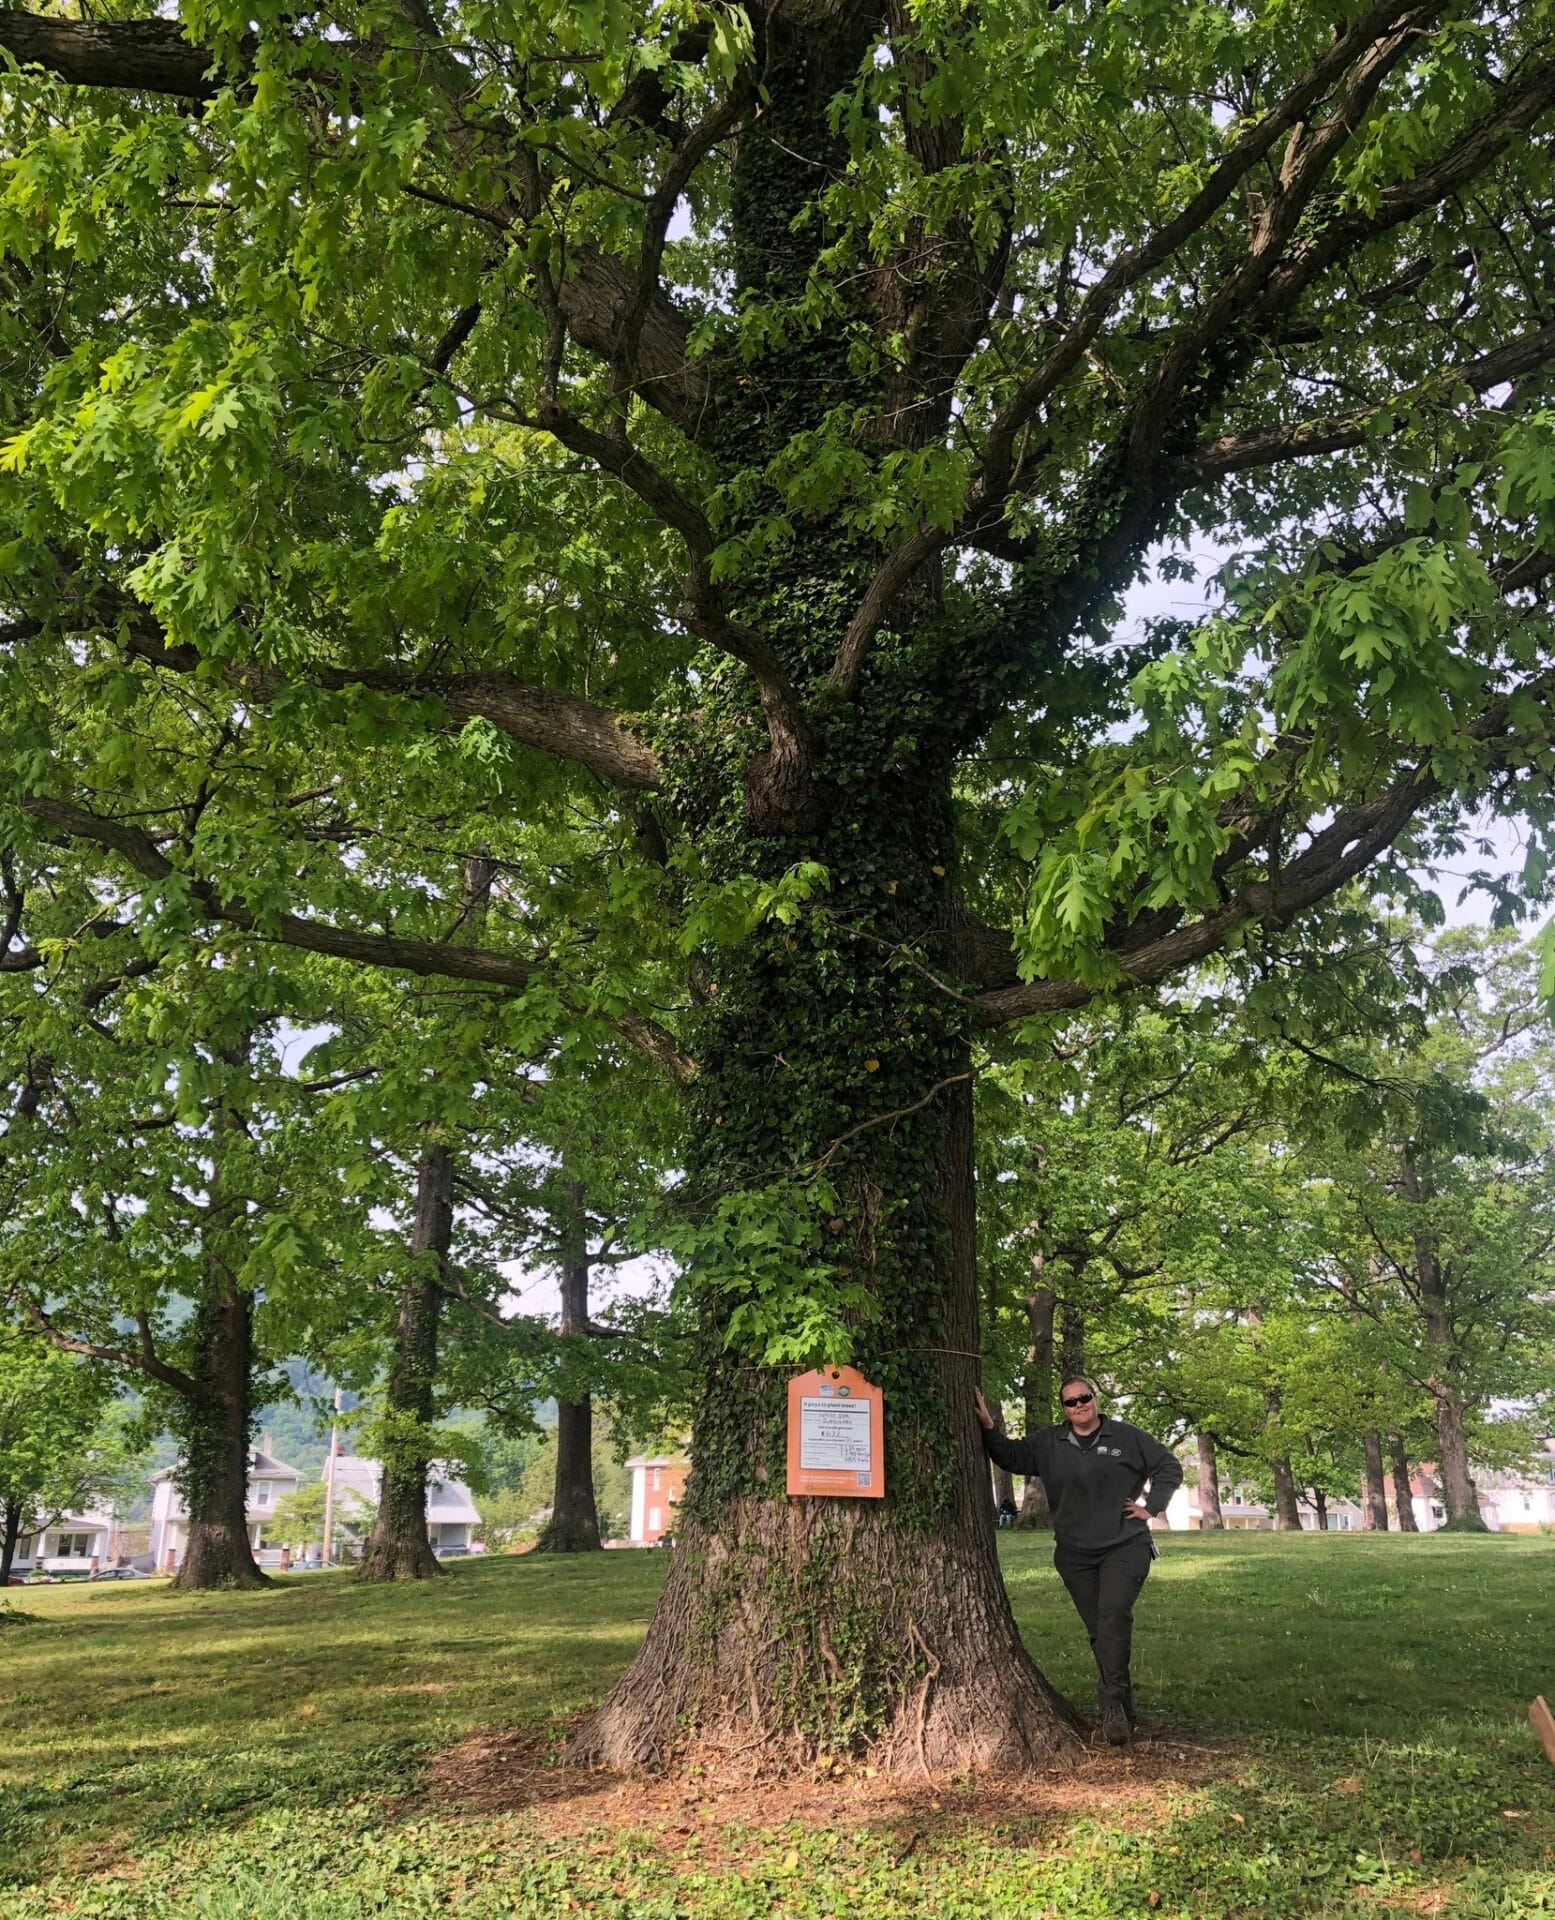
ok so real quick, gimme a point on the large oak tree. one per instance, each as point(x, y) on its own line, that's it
point(730, 430)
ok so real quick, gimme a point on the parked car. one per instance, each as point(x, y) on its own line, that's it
point(119, 1573)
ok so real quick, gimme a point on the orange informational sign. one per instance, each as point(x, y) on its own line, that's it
point(836, 1435)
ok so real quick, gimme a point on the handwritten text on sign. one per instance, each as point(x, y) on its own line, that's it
point(835, 1435)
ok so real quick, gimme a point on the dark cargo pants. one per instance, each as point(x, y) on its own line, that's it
point(1104, 1587)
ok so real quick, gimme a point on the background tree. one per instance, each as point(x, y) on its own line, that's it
point(1443, 1210)
point(60, 1449)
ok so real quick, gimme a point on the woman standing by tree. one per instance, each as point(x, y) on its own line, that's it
point(1095, 1469)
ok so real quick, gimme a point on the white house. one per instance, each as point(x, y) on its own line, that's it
point(1515, 1502)
point(658, 1482)
point(72, 1543)
point(269, 1482)
point(452, 1515)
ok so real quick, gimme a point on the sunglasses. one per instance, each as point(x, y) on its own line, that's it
point(1078, 1400)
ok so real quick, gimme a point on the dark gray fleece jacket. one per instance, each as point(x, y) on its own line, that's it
point(1088, 1480)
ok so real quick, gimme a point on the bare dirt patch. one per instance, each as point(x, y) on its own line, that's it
point(504, 1771)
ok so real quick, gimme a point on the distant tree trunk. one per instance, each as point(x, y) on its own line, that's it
point(212, 1426)
point(9, 1534)
point(399, 1547)
point(1374, 1501)
point(574, 1523)
point(1210, 1519)
point(1071, 1341)
point(1452, 1466)
point(1452, 1451)
point(1287, 1509)
point(1041, 1304)
point(1403, 1493)
point(1320, 1507)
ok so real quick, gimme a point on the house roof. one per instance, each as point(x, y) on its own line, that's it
point(675, 1460)
point(449, 1501)
point(261, 1466)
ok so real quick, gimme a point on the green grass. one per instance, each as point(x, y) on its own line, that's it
point(245, 1757)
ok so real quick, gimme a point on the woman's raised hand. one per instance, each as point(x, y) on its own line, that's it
point(984, 1417)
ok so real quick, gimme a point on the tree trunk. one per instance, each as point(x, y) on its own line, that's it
point(10, 1532)
point(811, 1625)
point(574, 1523)
point(1287, 1508)
point(1071, 1341)
point(1041, 1306)
point(399, 1547)
point(1403, 1494)
point(1210, 1519)
point(1459, 1497)
point(1374, 1496)
point(1320, 1507)
point(1441, 1338)
point(212, 1426)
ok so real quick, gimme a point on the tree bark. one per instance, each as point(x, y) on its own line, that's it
point(813, 1625)
point(1071, 1340)
point(1041, 1306)
point(212, 1426)
point(1403, 1493)
point(574, 1523)
point(1320, 1508)
point(10, 1532)
point(1210, 1518)
point(1287, 1508)
point(399, 1547)
point(1459, 1497)
point(1374, 1496)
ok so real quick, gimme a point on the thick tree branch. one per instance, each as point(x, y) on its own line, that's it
point(565, 724)
point(1333, 857)
point(1237, 452)
point(597, 294)
point(141, 56)
point(143, 1359)
point(1360, 58)
point(510, 972)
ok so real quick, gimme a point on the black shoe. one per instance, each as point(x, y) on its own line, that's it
point(1115, 1724)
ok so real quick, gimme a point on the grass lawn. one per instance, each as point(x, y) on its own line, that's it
point(1340, 1731)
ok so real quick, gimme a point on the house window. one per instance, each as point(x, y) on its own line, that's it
point(73, 1546)
point(655, 1519)
point(656, 1479)
point(262, 1494)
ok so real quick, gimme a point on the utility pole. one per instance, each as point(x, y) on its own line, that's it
point(329, 1482)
